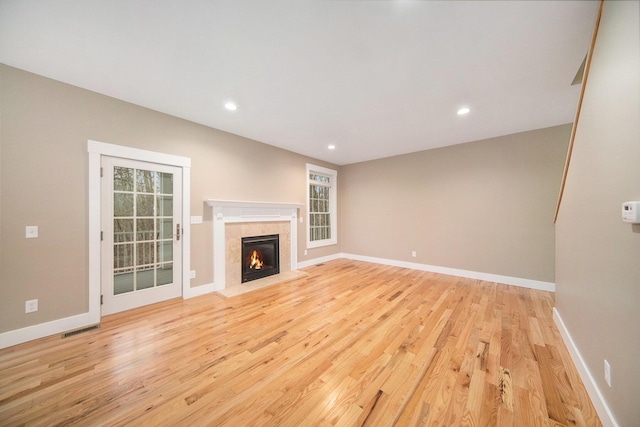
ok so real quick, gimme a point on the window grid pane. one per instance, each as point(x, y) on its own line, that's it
point(320, 224)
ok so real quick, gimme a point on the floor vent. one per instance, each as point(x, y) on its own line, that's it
point(79, 331)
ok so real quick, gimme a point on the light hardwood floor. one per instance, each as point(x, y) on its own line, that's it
point(349, 344)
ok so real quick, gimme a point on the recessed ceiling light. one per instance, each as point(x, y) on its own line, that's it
point(463, 111)
point(230, 106)
point(331, 147)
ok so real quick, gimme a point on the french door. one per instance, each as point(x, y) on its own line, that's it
point(141, 251)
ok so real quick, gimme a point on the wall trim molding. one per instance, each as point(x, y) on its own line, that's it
point(506, 280)
point(603, 410)
point(59, 326)
point(42, 330)
point(19, 336)
point(316, 261)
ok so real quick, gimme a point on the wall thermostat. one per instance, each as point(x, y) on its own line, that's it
point(631, 212)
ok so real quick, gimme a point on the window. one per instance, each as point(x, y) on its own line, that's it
point(321, 206)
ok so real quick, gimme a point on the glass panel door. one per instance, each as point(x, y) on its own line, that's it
point(144, 233)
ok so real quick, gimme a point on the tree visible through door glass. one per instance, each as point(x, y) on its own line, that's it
point(143, 229)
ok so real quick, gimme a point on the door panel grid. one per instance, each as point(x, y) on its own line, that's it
point(143, 220)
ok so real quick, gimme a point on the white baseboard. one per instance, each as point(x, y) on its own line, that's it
point(41, 330)
point(507, 280)
point(59, 326)
point(19, 336)
point(605, 414)
point(316, 261)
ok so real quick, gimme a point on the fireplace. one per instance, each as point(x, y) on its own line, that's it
point(233, 219)
point(260, 257)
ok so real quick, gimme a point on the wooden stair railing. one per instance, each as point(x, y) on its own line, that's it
point(583, 86)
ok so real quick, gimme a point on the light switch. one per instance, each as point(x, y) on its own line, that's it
point(196, 220)
point(31, 231)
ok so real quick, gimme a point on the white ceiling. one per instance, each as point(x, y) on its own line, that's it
point(374, 78)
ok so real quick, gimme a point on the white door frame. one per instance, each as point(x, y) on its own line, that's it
point(96, 151)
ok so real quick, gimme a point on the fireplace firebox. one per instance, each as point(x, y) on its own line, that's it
point(260, 257)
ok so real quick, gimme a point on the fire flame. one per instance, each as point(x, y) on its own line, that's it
point(256, 262)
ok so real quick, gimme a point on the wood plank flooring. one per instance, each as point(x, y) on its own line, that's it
point(349, 344)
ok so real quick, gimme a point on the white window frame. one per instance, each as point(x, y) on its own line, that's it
point(333, 205)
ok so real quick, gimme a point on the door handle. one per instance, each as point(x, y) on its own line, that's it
point(177, 231)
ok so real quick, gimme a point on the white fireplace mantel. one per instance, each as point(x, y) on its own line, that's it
point(217, 203)
point(234, 211)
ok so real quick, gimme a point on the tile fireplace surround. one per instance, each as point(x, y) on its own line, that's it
point(233, 220)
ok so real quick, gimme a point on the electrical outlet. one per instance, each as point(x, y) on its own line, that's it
point(607, 372)
point(193, 274)
point(413, 254)
point(31, 306)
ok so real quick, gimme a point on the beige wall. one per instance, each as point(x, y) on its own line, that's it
point(43, 140)
point(486, 206)
point(598, 256)
point(457, 194)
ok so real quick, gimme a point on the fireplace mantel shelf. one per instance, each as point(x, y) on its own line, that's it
point(246, 204)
